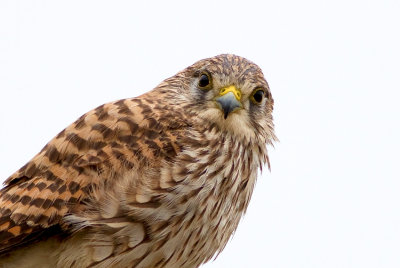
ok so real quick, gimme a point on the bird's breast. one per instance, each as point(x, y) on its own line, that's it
point(209, 188)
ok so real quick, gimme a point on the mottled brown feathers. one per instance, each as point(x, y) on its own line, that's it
point(160, 180)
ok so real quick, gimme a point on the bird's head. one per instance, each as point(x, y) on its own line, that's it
point(230, 92)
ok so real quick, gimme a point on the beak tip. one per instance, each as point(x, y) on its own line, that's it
point(228, 103)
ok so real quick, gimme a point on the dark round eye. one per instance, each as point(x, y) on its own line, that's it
point(258, 96)
point(204, 80)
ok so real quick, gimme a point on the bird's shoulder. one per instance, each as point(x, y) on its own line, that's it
point(62, 179)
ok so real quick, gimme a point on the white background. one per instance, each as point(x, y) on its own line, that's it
point(332, 198)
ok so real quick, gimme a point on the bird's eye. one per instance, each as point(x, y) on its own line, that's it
point(258, 96)
point(204, 81)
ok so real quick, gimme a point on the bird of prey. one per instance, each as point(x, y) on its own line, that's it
point(159, 180)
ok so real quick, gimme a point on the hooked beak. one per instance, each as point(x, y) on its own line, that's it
point(229, 100)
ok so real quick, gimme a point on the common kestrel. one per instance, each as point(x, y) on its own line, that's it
point(160, 180)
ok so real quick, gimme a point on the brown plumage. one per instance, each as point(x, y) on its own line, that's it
point(160, 180)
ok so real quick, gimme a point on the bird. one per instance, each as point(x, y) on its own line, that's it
point(158, 180)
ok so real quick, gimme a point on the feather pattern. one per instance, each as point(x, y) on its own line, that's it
point(160, 180)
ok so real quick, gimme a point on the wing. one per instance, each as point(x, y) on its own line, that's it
point(64, 177)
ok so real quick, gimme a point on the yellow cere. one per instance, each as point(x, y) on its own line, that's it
point(232, 89)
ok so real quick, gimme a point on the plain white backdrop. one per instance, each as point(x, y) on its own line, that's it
point(332, 198)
